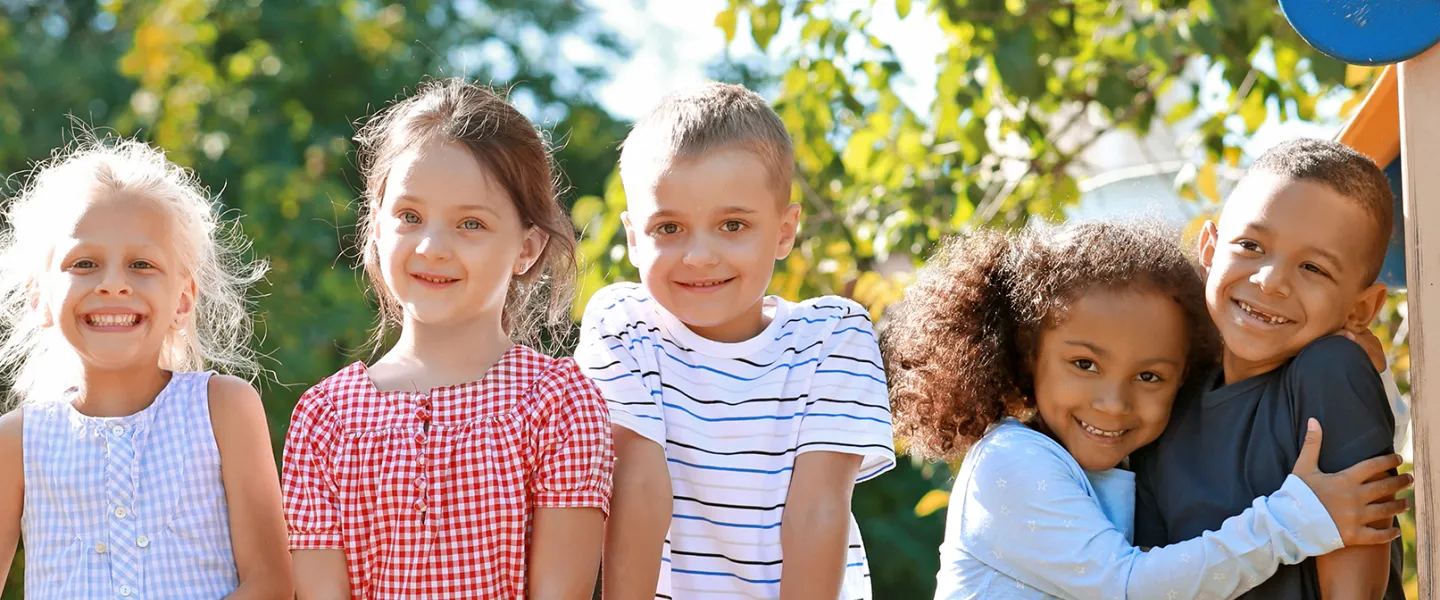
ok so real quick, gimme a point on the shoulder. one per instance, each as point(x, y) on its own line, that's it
point(12, 431)
point(1012, 447)
point(1331, 355)
point(233, 398)
point(618, 302)
point(562, 381)
point(1333, 368)
point(832, 317)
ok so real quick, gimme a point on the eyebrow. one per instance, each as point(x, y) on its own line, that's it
point(473, 207)
point(727, 210)
point(1102, 353)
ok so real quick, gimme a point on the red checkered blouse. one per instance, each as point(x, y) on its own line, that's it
point(431, 495)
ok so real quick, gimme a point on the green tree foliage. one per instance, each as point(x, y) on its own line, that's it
point(1024, 87)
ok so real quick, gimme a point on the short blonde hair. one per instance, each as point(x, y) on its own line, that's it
point(712, 117)
point(211, 252)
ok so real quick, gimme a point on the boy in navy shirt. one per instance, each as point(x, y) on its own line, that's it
point(1293, 260)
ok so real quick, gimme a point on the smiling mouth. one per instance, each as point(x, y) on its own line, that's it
point(706, 284)
point(1260, 315)
point(1096, 431)
point(112, 320)
point(434, 278)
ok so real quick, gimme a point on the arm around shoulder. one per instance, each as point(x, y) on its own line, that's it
point(12, 482)
point(247, 469)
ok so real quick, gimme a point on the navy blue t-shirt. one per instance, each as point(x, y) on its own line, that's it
point(1229, 444)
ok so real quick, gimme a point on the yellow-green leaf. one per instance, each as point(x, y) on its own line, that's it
point(932, 501)
point(902, 8)
point(725, 20)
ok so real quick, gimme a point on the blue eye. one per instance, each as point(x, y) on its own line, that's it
point(408, 217)
point(472, 224)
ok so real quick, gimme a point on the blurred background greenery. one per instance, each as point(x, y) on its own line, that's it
point(1024, 107)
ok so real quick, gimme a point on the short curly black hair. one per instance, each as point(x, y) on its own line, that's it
point(959, 349)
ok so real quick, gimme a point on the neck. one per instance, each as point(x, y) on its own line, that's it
point(438, 356)
point(743, 327)
point(1239, 369)
point(119, 392)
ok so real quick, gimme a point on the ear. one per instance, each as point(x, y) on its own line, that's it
point(37, 304)
point(789, 228)
point(530, 249)
point(1367, 306)
point(187, 304)
point(629, 237)
point(1209, 237)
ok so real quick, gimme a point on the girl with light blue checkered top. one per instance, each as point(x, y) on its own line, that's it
point(128, 471)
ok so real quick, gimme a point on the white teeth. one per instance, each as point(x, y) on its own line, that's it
point(112, 320)
point(435, 279)
point(709, 284)
point(1267, 318)
point(1101, 432)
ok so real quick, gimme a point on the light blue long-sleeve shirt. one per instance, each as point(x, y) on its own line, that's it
point(1026, 522)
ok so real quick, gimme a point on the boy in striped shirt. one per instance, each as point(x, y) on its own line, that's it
point(742, 421)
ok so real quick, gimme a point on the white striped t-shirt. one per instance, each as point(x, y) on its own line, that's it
point(732, 417)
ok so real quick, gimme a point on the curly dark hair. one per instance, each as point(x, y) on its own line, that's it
point(959, 348)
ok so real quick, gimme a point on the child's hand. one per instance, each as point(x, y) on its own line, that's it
point(1370, 343)
point(1353, 499)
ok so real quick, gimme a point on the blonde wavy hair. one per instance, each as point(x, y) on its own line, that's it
point(212, 252)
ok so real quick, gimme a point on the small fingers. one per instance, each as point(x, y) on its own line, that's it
point(1368, 536)
point(1384, 511)
point(1387, 487)
point(1368, 468)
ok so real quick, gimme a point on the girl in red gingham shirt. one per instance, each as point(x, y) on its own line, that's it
point(460, 464)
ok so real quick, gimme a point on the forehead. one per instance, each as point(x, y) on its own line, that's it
point(1131, 322)
point(118, 217)
point(1300, 213)
point(444, 173)
point(709, 183)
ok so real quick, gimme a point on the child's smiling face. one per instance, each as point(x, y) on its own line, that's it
point(1107, 373)
point(1286, 265)
point(706, 239)
point(115, 286)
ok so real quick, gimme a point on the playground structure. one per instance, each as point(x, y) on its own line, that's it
point(1398, 125)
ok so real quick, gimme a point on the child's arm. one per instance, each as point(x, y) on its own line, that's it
point(639, 517)
point(642, 502)
point(815, 527)
point(845, 437)
point(572, 460)
point(12, 481)
point(312, 514)
point(1333, 380)
point(1024, 511)
point(565, 553)
point(252, 490)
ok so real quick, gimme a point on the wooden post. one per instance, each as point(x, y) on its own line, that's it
point(1420, 155)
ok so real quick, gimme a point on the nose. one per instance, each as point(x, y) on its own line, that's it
point(114, 283)
point(701, 253)
point(433, 245)
point(1113, 400)
point(1272, 280)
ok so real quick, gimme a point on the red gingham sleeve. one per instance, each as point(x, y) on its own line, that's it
point(307, 479)
point(573, 454)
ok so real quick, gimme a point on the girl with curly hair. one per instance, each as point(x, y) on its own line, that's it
point(1045, 357)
